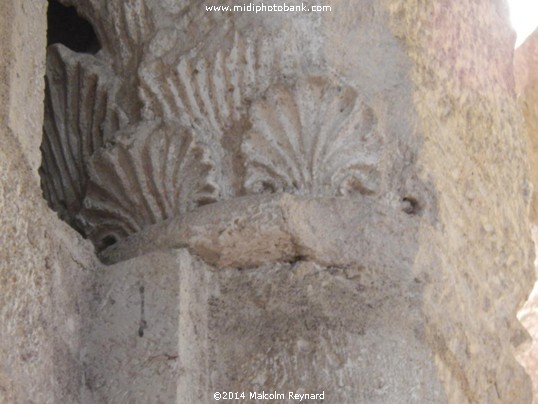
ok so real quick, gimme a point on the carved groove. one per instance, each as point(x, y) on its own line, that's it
point(317, 139)
point(212, 94)
point(129, 26)
point(79, 116)
point(157, 174)
point(208, 132)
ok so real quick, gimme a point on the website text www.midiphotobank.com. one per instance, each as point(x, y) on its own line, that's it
point(271, 7)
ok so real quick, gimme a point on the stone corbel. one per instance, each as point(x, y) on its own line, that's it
point(260, 229)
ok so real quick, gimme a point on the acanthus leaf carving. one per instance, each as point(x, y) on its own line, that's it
point(155, 171)
point(316, 138)
point(80, 115)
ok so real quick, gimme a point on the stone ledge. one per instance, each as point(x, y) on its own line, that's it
point(259, 229)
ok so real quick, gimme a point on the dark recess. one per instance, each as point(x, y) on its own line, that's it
point(65, 26)
point(108, 241)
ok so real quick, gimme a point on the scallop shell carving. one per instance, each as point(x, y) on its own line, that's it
point(159, 173)
point(316, 138)
point(79, 116)
point(212, 94)
point(127, 28)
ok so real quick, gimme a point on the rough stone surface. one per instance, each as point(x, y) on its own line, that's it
point(525, 66)
point(169, 316)
point(148, 332)
point(43, 263)
point(308, 328)
point(528, 355)
point(477, 249)
point(310, 202)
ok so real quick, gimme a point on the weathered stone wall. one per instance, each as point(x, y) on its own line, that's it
point(477, 249)
point(43, 263)
point(444, 101)
point(397, 283)
point(525, 66)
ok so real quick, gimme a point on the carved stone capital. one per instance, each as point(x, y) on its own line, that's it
point(209, 126)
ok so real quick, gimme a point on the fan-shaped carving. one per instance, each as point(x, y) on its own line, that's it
point(127, 28)
point(79, 115)
point(212, 93)
point(156, 171)
point(316, 138)
point(213, 96)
